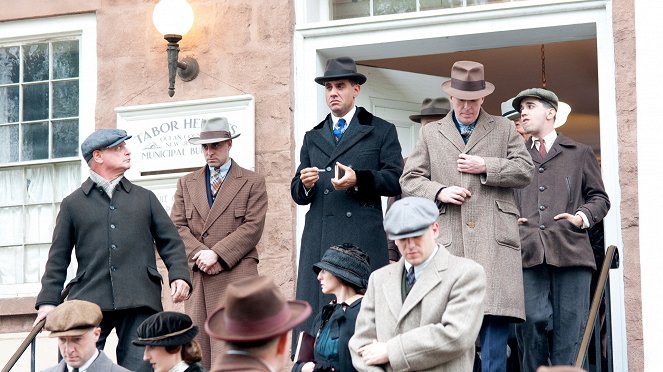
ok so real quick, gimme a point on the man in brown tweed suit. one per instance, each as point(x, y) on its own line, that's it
point(219, 211)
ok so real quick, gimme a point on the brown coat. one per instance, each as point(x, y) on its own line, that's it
point(485, 227)
point(232, 228)
point(239, 363)
point(568, 180)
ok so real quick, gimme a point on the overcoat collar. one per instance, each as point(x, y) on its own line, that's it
point(231, 185)
point(560, 144)
point(485, 124)
point(322, 137)
point(89, 185)
point(429, 279)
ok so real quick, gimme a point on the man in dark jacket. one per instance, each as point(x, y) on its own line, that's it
point(344, 208)
point(565, 198)
point(114, 226)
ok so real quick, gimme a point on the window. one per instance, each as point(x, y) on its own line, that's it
point(342, 9)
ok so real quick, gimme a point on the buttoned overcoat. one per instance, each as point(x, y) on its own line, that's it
point(435, 327)
point(567, 180)
point(485, 227)
point(370, 146)
point(114, 242)
point(231, 227)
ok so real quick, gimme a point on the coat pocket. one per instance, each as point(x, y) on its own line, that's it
point(444, 219)
point(154, 275)
point(506, 224)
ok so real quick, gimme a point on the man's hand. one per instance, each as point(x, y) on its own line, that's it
point(309, 176)
point(573, 218)
point(522, 220)
point(471, 164)
point(308, 367)
point(348, 180)
point(42, 312)
point(205, 259)
point(214, 269)
point(453, 195)
point(374, 354)
point(179, 290)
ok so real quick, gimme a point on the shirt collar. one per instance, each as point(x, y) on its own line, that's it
point(549, 138)
point(348, 117)
point(179, 367)
point(418, 269)
point(223, 169)
point(87, 364)
point(458, 122)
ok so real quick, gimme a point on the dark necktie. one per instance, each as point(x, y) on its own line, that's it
point(410, 277)
point(338, 129)
point(465, 132)
point(542, 148)
point(75, 370)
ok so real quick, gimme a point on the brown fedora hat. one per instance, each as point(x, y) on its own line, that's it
point(214, 130)
point(432, 107)
point(467, 81)
point(255, 309)
point(339, 69)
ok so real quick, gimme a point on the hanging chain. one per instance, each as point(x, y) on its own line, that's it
point(543, 66)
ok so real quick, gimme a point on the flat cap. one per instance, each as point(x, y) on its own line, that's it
point(73, 318)
point(539, 93)
point(102, 139)
point(409, 217)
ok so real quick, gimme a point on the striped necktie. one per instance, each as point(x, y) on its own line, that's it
point(215, 181)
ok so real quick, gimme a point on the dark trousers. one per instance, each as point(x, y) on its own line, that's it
point(493, 336)
point(126, 323)
point(556, 300)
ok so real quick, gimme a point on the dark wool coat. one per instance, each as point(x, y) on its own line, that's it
point(568, 180)
point(114, 244)
point(370, 146)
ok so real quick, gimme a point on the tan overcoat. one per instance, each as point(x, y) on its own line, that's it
point(485, 227)
point(232, 228)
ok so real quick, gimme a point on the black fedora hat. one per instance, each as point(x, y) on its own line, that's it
point(168, 328)
point(341, 68)
point(347, 262)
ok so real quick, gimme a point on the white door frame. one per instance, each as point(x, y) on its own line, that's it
point(473, 28)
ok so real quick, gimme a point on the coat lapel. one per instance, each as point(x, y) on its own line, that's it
point(198, 190)
point(322, 137)
point(231, 185)
point(355, 132)
point(392, 288)
point(485, 125)
point(448, 129)
point(428, 280)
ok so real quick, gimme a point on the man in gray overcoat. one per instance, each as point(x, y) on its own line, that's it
point(114, 226)
point(346, 209)
point(469, 163)
point(565, 198)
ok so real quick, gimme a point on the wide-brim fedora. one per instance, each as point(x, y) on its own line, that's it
point(167, 328)
point(432, 107)
point(346, 262)
point(255, 310)
point(467, 81)
point(214, 130)
point(339, 69)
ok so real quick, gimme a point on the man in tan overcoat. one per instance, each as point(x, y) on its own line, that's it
point(219, 211)
point(469, 163)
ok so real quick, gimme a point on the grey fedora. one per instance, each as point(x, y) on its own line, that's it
point(467, 81)
point(214, 130)
point(339, 69)
point(508, 111)
point(439, 106)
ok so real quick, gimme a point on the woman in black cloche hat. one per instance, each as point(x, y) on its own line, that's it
point(169, 344)
point(343, 272)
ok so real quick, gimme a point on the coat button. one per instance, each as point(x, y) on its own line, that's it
point(471, 225)
point(542, 207)
point(113, 246)
point(113, 268)
point(542, 227)
point(541, 188)
point(326, 191)
point(541, 169)
point(112, 226)
point(205, 234)
point(112, 207)
point(348, 215)
point(328, 169)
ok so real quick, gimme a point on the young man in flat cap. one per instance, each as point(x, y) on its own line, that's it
point(347, 208)
point(76, 325)
point(255, 323)
point(469, 163)
point(424, 312)
point(219, 211)
point(113, 226)
point(566, 197)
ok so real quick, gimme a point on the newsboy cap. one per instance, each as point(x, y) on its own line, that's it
point(346, 262)
point(167, 328)
point(410, 217)
point(102, 139)
point(73, 318)
point(538, 93)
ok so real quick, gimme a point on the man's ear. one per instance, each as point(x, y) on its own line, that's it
point(96, 156)
point(281, 348)
point(96, 333)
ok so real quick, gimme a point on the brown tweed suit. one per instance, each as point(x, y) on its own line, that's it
point(232, 228)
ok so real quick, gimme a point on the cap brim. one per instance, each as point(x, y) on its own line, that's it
point(118, 142)
point(198, 141)
point(463, 94)
point(70, 332)
point(215, 325)
point(180, 339)
point(409, 234)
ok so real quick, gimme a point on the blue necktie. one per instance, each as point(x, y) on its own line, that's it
point(410, 277)
point(338, 129)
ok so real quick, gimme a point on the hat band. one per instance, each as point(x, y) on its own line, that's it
point(158, 338)
point(433, 111)
point(468, 86)
point(214, 134)
point(257, 326)
point(510, 113)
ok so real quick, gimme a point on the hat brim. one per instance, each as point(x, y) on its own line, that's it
point(417, 118)
point(70, 332)
point(517, 100)
point(356, 77)
point(511, 115)
point(409, 234)
point(215, 325)
point(198, 141)
point(340, 273)
point(118, 142)
point(464, 94)
point(176, 340)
